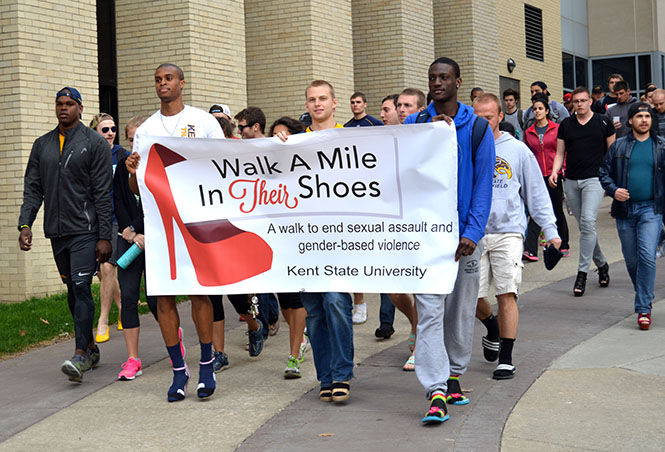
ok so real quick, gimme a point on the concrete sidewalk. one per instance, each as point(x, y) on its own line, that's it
point(387, 405)
point(586, 379)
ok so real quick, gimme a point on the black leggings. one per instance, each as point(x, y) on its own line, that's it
point(287, 300)
point(129, 280)
point(533, 231)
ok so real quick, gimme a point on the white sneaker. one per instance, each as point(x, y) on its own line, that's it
point(304, 345)
point(360, 314)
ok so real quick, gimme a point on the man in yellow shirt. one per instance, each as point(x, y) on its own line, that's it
point(329, 318)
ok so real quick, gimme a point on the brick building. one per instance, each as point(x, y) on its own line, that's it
point(240, 53)
point(603, 37)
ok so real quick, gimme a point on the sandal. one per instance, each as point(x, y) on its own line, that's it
point(454, 394)
point(604, 275)
point(325, 394)
point(490, 349)
point(504, 372)
point(410, 364)
point(437, 412)
point(455, 398)
point(412, 342)
point(340, 391)
point(580, 284)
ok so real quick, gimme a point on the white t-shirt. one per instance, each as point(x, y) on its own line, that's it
point(191, 122)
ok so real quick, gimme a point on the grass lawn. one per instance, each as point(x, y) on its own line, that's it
point(42, 319)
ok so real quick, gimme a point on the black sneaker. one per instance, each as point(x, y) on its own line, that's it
point(256, 341)
point(384, 331)
point(94, 356)
point(220, 361)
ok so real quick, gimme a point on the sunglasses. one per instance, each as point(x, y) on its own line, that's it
point(112, 129)
point(241, 128)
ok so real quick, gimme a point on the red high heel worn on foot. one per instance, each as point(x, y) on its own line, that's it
point(220, 252)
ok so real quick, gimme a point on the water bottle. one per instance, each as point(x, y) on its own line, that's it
point(129, 256)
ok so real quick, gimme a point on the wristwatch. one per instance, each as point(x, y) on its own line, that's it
point(131, 228)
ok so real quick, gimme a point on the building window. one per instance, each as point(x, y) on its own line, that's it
point(568, 65)
point(533, 26)
point(644, 71)
point(575, 72)
point(581, 72)
point(635, 69)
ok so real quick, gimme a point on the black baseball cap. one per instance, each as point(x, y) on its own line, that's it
point(638, 107)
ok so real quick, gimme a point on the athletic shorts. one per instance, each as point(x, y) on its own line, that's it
point(501, 263)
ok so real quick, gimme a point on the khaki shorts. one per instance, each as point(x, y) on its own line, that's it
point(501, 263)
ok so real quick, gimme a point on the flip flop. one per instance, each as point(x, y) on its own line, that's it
point(340, 391)
point(504, 372)
point(410, 364)
point(490, 349)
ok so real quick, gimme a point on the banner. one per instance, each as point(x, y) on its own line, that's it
point(367, 209)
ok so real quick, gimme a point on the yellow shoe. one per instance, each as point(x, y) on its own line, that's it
point(99, 338)
point(119, 324)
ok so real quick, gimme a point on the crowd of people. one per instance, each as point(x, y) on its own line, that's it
point(514, 169)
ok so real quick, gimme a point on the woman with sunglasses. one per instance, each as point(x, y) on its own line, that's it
point(109, 289)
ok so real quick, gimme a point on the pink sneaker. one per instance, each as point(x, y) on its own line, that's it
point(131, 369)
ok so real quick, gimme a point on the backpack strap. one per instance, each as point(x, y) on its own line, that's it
point(477, 133)
point(423, 116)
point(520, 118)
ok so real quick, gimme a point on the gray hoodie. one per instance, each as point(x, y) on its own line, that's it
point(621, 110)
point(518, 182)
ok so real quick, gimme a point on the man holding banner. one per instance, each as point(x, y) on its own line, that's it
point(175, 119)
point(329, 314)
point(445, 322)
point(367, 209)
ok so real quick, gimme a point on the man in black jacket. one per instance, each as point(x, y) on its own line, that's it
point(633, 175)
point(70, 171)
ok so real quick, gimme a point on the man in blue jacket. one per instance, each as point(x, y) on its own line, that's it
point(443, 344)
point(633, 173)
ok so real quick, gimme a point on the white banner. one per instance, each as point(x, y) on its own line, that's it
point(368, 209)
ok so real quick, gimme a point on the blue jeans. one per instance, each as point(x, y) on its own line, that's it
point(639, 235)
point(330, 330)
point(386, 311)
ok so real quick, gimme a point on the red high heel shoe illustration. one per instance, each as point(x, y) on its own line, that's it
point(220, 252)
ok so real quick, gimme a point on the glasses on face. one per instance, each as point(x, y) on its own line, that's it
point(241, 128)
point(112, 129)
point(580, 101)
